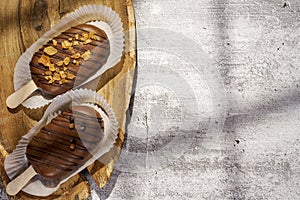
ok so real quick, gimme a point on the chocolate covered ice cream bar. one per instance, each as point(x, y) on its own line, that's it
point(69, 59)
point(65, 144)
point(61, 147)
point(64, 62)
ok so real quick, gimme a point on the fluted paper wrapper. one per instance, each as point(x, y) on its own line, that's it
point(100, 16)
point(17, 162)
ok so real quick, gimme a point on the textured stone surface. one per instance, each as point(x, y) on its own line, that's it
point(242, 146)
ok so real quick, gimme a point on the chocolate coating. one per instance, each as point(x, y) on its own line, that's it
point(99, 48)
point(59, 149)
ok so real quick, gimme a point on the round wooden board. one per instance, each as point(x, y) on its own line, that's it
point(21, 24)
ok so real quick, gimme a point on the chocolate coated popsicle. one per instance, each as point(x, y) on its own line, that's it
point(64, 63)
point(61, 147)
point(65, 144)
point(69, 59)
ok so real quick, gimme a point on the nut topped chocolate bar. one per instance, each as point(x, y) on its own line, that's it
point(69, 59)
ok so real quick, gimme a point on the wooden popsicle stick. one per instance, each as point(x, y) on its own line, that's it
point(16, 98)
point(19, 182)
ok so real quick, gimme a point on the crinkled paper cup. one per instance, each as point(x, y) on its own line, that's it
point(17, 162)
point(100, 16)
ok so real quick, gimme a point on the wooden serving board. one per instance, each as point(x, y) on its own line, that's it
point(21, 24)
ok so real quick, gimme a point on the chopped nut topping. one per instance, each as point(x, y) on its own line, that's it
point(86, 55)
point(58, 72)
point(84, 37)
point(76, 55)
point(66, 44)
point(60, 63)
point(88, 37)
point(76, 62)
point(56, 77)
point(54, 42)
point(75, 43)
point(91, 34)
point(50, 50)
point(70, 76)
point(87, 41)
point(62, 74)
point(72, 50)
point(48, 73)
point(51, 80)
point(52, 68)
point(44, 60)
point(67, 60)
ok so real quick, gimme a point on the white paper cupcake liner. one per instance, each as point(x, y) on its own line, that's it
point(101, 16)
point(17, 162)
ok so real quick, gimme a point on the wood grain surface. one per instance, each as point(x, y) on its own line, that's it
point(21, 24)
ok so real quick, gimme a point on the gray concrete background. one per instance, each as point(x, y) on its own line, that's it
point(241, 139)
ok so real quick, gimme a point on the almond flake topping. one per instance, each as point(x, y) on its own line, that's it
point(87, 41)
point(54, 42)
point(60, 63)
point(50, 50)
point(75, 43)
point(56, 76)
point(66, 44)
point(76, 55)
point(58, 72)
point(92, 35)
point(51, 67)
point(86, 55)
point(44, 60)
point(48, 73)
point(51, 80)
point(70, 76)
point(62, 74)
point(67, 60)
